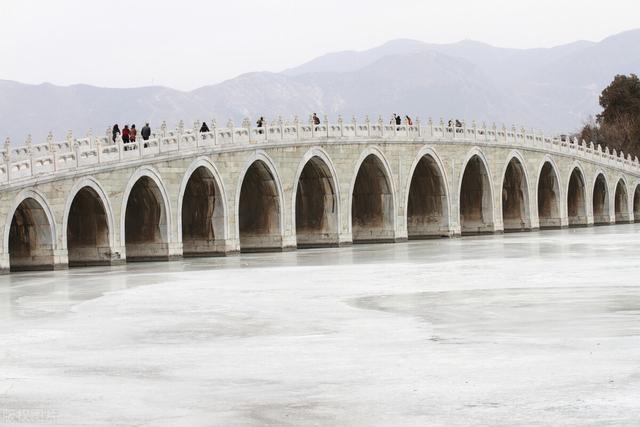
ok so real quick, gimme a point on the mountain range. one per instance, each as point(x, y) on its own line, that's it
point(552, 89)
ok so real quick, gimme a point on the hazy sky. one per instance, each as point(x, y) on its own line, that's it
point(187, 43)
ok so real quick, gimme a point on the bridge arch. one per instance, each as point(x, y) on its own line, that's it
point(621, 202)
point(203, 219)
point(145, 222)
point(475, 191)
point(316, 200)
point(636, 203)
point(549, 196)
point(514, 202)
point(88, 225)
point(30, 233)
point(259, 205)
point(372, 204)
point(600, 199)
point(576, 196)
point(428, 204)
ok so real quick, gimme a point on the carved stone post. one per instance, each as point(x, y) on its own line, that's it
point(7, 157)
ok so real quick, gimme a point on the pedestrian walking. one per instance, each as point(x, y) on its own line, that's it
point(204, 127)
point(133, 133)
point(115, 132)
point(125, 134)
point(145, 132)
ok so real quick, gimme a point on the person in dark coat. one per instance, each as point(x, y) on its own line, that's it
point(133, 133)
point(260, 124)
point(115, 132)
point(204, 127)
point(398, 119)
point(145, 132)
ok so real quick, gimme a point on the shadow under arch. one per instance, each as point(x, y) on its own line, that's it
point(600, 200)
point(30, 233)
point(202, 213)
point(516, 214)
point(549, 196)
point(427, 198)
point(576, 198)
point(621, 202)
point(259, 207)
point(316, 201)
point(372, 200)
point(146, 217)
point(88, 226)
point(476, 196)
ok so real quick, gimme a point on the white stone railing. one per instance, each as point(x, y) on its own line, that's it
point(29, 160)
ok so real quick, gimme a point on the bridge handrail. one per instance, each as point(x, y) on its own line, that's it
point(29, 160)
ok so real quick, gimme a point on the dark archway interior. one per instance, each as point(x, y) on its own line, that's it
point(515, 198)
point(202, 215)
point(146, 223)
point(316, 206)
point(88, 230)
point(30, 238)
point(621, 203)
point(548, 198)
point(475, 199)
point(636, 204)
point(259, 211)
point(576, 204)
point(600, 201)
point(427, 207)
point(372, 203)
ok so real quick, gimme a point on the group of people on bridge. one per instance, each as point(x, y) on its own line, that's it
point(129, 134)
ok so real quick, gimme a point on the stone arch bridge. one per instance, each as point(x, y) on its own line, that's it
point(91, 201)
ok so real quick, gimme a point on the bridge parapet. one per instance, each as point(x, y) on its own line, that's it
point(39, 160)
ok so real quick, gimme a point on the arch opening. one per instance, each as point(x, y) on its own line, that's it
point(427, 205)
point(30, 238)
point(88, 230)
point(316, 206)
point(202, 215)
point(622, 203)
point(259, 210)
point(548, 198)
point(515, 198)
point(600, 201)
point(146, 231)
point(372, 203)
point(576, 204)
point(476, 206)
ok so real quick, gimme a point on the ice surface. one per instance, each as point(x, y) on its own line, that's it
point(533, 328)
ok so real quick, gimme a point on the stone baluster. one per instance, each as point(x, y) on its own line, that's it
point(296, 123)
point(52, 150)
point(340, 124)
point(381, 124)
point(7, 157)
point(214, 131)
point(418, 126)
point(475, 130)
point(367, 122)
point(354, 124)
point(281, 127)
point(326, 124)
point(230, 127)
point(29, 145)
point(163, 129)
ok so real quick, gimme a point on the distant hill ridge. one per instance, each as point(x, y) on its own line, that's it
point(553, 89)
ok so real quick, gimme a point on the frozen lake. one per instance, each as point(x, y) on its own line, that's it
point(532, 328)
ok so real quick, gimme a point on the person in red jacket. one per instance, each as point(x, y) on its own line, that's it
point(133, 133)
point(126, 134)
